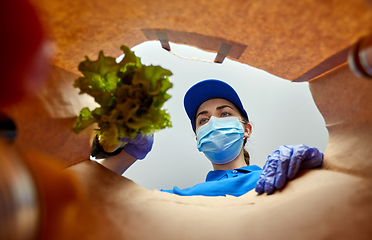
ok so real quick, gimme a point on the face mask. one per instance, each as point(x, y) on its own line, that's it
point(221, 139)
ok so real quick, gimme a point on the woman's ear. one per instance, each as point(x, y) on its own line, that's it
point(247, 130)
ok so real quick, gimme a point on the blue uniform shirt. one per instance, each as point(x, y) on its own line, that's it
point(220, 183)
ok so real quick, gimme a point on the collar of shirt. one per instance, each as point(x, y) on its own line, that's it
point(222, 174)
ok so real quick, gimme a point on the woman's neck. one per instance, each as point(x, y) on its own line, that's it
point(238, 162)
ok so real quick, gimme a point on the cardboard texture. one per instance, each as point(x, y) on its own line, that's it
point(285, 38)
point(45, 120)
point(345, 102)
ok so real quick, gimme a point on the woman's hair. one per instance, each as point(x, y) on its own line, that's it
point(246, 154)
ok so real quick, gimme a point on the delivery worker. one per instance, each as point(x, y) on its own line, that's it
point(222, 127)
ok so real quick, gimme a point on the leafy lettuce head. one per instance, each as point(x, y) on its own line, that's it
point(131, 97)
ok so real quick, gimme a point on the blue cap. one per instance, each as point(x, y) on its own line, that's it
point(207, 89)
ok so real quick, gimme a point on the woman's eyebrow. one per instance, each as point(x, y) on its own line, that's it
point(202, 112)
point(223, 106)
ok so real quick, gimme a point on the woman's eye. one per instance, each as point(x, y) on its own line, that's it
point(225, 114)
point(203, 121)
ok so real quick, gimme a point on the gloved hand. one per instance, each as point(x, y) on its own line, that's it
point(139, 146)
point(284, 163)
point(98, 152)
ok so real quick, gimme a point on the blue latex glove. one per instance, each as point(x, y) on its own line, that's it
point(139, 146)
point(284, 163)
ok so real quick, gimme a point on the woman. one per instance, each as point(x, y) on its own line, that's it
point(222, 128)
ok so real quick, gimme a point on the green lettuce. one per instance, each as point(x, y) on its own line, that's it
point(130, 95)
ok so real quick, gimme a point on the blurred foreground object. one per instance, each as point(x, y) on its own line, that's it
point(360, 57)
point(23, 64)
point(19, 201)
point(37, 199)
point(35, 196)
point(24, 51)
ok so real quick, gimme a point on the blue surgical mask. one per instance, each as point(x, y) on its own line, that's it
point(221, 139)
